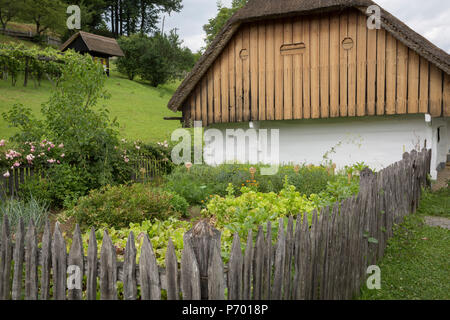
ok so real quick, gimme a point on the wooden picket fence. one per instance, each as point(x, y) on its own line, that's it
point(326, 259)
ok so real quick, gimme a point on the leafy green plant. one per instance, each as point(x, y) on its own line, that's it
point(252, 209)
point(158, 231)
point(202, 181)
point(61, 185)
point(118, 206)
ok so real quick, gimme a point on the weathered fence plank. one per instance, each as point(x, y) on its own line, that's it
point(247, 273)
point(46, 261)
point(31, 263)
point(235, 270)
point(59, 264)
point(108, 269)
point(18, 257)
point(280, 253)
point(258, 264)
point(92, 264)
point(5, 260)
point(189, 273)
point(148, 272)
point(171, 273)
point(76, 266)
point(216, 285)
point(129, 270)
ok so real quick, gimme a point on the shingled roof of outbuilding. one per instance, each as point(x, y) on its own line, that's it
point(94, 42)
point(257, 10)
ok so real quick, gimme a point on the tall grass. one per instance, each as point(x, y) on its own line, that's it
point(32, 209)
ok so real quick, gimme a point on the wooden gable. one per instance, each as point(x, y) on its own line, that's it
point(316, 66)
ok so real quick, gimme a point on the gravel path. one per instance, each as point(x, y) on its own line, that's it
point(438, 222)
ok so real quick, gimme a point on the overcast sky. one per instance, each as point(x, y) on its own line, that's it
point(430, 18)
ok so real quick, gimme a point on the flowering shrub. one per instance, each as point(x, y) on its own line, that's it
point(41, 154)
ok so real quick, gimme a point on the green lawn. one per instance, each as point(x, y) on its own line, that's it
point(416, 264)
point(139, 108)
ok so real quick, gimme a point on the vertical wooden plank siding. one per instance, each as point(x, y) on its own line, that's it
point(210, 81)
point(423, 85)
point(371, 70)
point(217, 92)
point(435, 91)
point(334, 65)
point(297, 72)
point(306, 70)
point(262, 71)
point(324, 66)
point(239, 85)
point(224, 85)
point(391, 73)
point(270, 72)
point(381, 71)
point(402, 78)
point(343, 61)
point(315, 76)
point(413, 82)
point(320, 66)
point(279, 94)
point(204, 89)
point(254, 72)
point(287, 72)
point(352, 32)
point(232, 80)
point(361, 66)
point(198, 103)
point(246, 73)
point(446, 95)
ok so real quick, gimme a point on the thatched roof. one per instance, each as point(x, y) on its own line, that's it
point(257, 10)
point(96, 43)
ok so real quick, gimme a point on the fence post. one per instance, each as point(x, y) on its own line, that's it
point(204, 239)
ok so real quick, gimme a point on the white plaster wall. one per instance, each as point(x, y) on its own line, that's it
point(377, 141)
point(443, 145)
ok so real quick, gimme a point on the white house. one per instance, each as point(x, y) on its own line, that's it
point(340, 78)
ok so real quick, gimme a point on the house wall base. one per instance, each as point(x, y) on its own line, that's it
point(377, 141)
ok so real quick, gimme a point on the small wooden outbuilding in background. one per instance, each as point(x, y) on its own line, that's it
point(99, 47)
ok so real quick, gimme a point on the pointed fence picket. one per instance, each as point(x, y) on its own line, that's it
point(326, 258)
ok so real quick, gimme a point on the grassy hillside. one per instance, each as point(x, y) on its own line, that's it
point(139, 108)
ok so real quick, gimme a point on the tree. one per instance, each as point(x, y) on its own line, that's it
point(214, 25)
point(8, 10)
point(156, 59)
point(133, 47)
point(45, 14)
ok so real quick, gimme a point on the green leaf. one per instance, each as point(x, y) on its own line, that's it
point(372, 240)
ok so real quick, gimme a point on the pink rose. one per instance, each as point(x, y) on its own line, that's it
point(16, 164)
point(2, 143)
point(61, 146)
point(48, 149)
point(63, 155)
point(126, 160)
point(6, 174)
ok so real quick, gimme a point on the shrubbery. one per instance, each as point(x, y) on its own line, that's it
point(201, 181)
point(118, 206)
